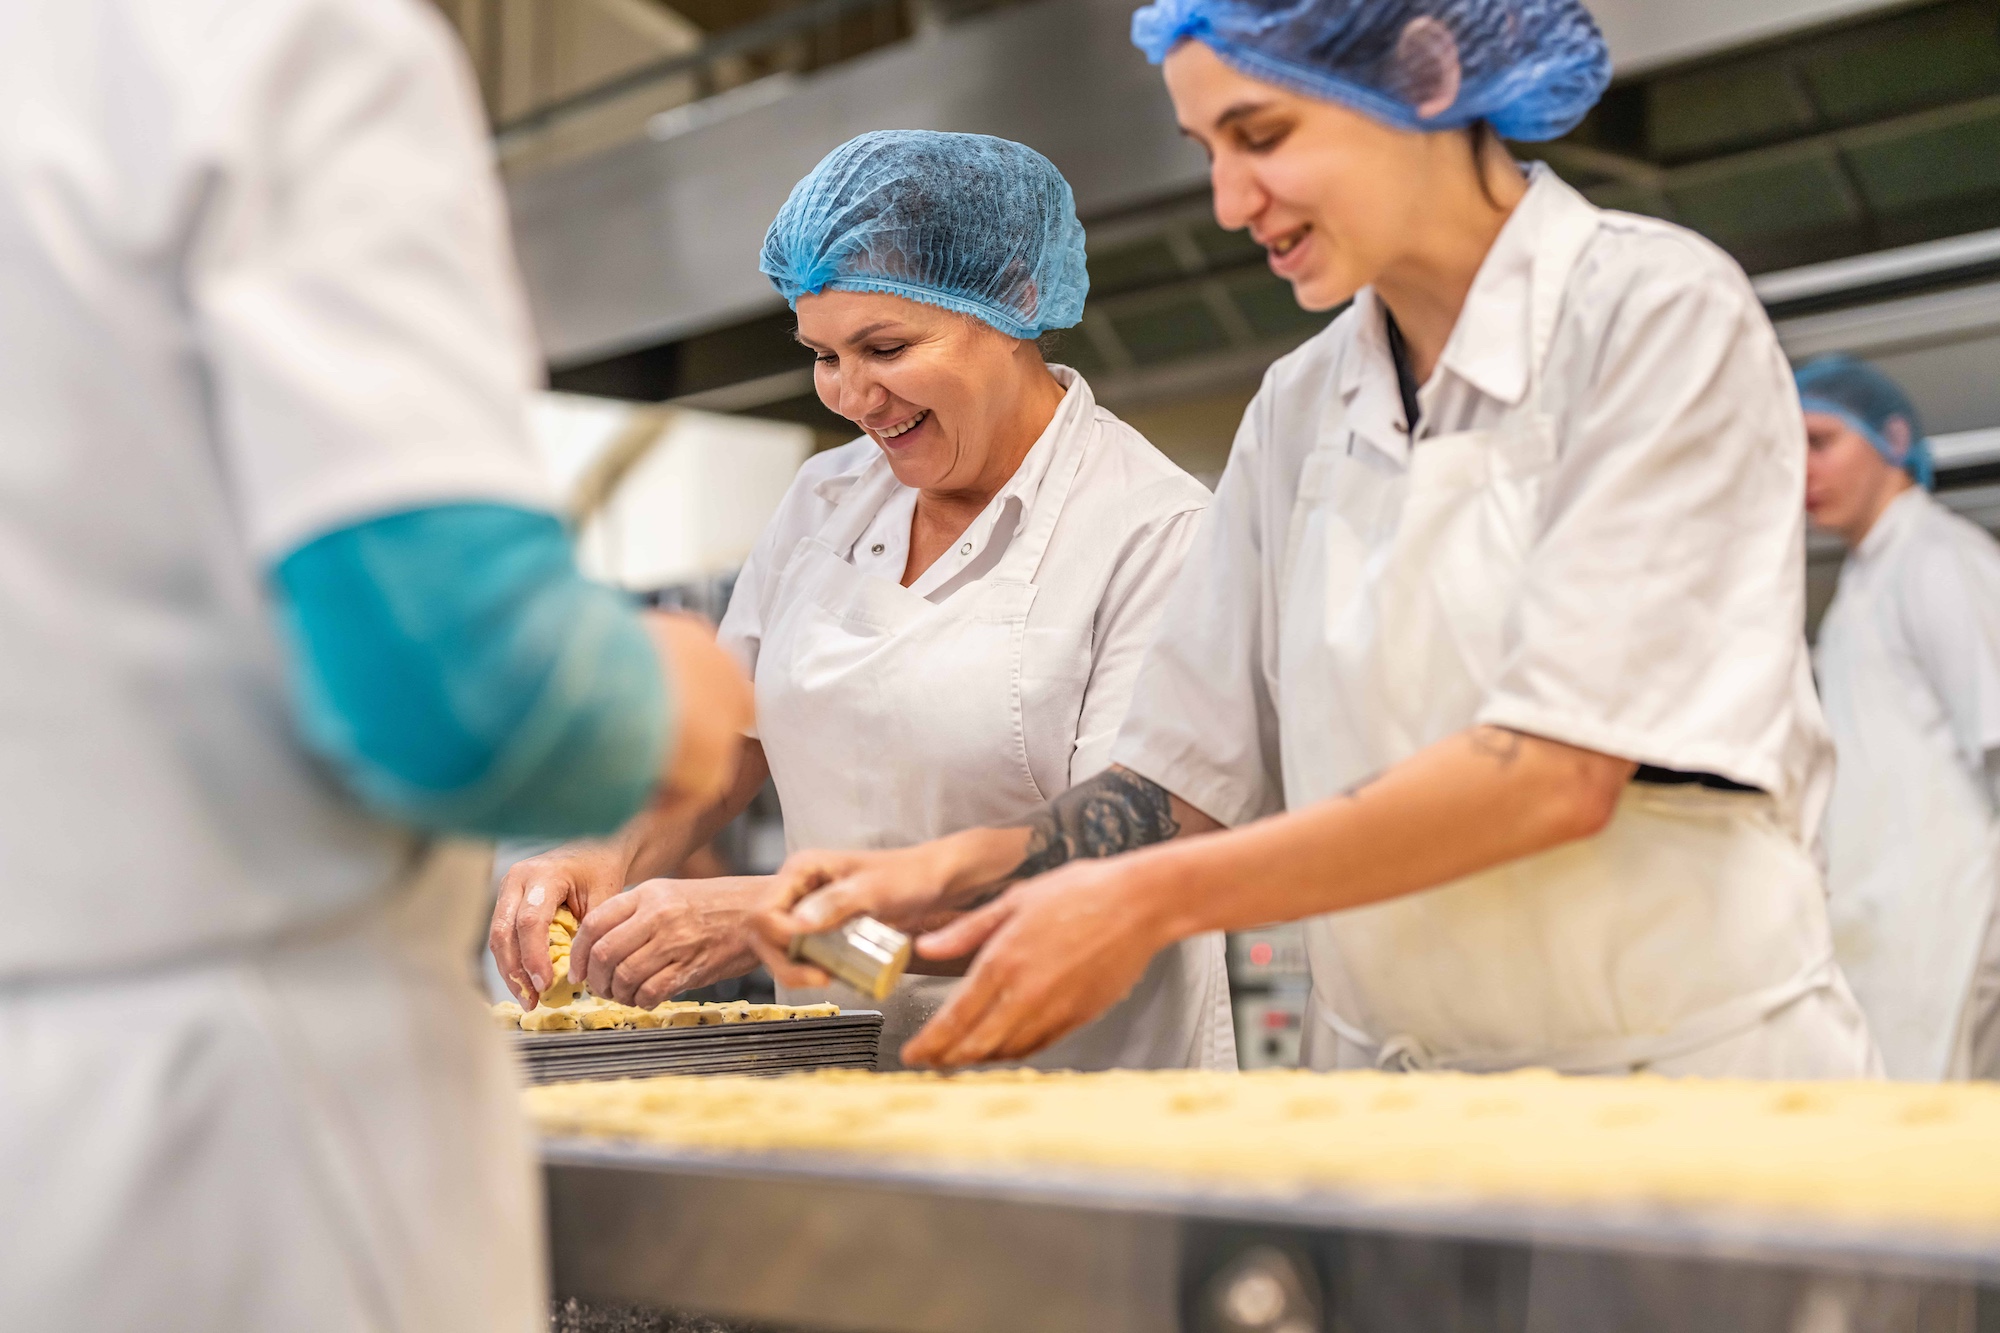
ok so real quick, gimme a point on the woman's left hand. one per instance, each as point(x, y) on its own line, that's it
point(657, 939)
point(1054, 953)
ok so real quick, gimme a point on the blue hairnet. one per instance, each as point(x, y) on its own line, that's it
point(965, 221)
point(1866, 399)
point(1531, 68)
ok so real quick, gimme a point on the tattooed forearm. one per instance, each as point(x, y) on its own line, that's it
point(1113, 812)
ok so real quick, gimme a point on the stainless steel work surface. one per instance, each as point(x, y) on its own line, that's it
point(923, 1248)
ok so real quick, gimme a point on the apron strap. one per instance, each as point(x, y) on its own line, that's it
point(1406, 1054)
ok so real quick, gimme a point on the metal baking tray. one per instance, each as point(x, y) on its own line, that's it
point(918, 1247)
point(843, 1041)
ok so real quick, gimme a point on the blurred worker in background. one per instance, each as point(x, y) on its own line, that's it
point(1909, 667)
point(946, 616)
point(1489, 662)
point(288, 620)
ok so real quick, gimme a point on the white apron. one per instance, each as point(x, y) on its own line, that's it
point(890, 720)
point(1913, 856)
point(1692, 918)
point(319, 1134)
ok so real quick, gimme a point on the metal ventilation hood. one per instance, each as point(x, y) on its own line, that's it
point(656, 239)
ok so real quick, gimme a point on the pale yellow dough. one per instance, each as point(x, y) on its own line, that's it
point(562, 932)
point(1905, 1153)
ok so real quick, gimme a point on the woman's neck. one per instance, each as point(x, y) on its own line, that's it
point(1028, 405)
point(1426, 287)
point(944, 513)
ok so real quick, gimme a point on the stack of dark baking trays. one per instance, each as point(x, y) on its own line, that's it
point(840, 1041)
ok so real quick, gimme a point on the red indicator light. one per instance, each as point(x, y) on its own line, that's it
point(1261, 954)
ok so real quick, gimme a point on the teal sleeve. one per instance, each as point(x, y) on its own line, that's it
point(462, 676)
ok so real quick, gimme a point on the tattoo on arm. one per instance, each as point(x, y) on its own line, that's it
point(1113, 812)
point(1497, 743)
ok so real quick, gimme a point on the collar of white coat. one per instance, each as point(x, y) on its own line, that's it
point(1076, 411)
point(1492, 344)
point(1899, 517)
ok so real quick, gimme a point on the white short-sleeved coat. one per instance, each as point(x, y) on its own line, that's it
point(893, 715)
point(1595, 536)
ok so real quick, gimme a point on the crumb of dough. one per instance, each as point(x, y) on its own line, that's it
point(1860, 1151)
point(507, 1014)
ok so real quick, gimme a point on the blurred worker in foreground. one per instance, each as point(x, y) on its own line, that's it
point(1909, 666)
point(945, 617)
point(1489, 662)
point(285, 612)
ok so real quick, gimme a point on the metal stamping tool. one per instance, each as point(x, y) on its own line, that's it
point(862, 952)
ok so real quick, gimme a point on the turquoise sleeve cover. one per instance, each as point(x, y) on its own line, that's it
point(461, 675)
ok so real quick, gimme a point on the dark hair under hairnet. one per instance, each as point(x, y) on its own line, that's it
point(968, 222)
point(1530, 68)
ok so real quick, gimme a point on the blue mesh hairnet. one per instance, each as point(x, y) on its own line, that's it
point(1866, 399)
point(1529, 67)
point(965, 221)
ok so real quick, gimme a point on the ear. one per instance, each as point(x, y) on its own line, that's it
point(1427, 67)
point(1896, 430)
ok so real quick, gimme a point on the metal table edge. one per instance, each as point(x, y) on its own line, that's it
point(1738, 1235)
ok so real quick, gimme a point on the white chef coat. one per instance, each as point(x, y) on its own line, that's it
point(1909, 664)
point(1594, 538)
point(894, 715)
point(254, 285)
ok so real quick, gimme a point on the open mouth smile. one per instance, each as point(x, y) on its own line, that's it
point(902, 427)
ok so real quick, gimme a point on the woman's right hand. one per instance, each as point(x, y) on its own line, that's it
point(577, 875)
point(912, 888)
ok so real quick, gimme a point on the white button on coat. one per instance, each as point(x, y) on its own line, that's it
point(893, 715)
point(1909, 663)
point(1594, 538)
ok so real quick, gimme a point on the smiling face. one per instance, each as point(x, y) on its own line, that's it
point(1848, 482)
point(1334, 197)
point(940, 393)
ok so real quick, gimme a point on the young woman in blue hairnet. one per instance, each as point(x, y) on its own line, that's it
point(1488, 663)
point(945, 618)
point(1909, 663)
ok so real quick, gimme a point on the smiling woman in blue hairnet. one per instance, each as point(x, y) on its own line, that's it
point(945, 617)
point(1488, 664)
